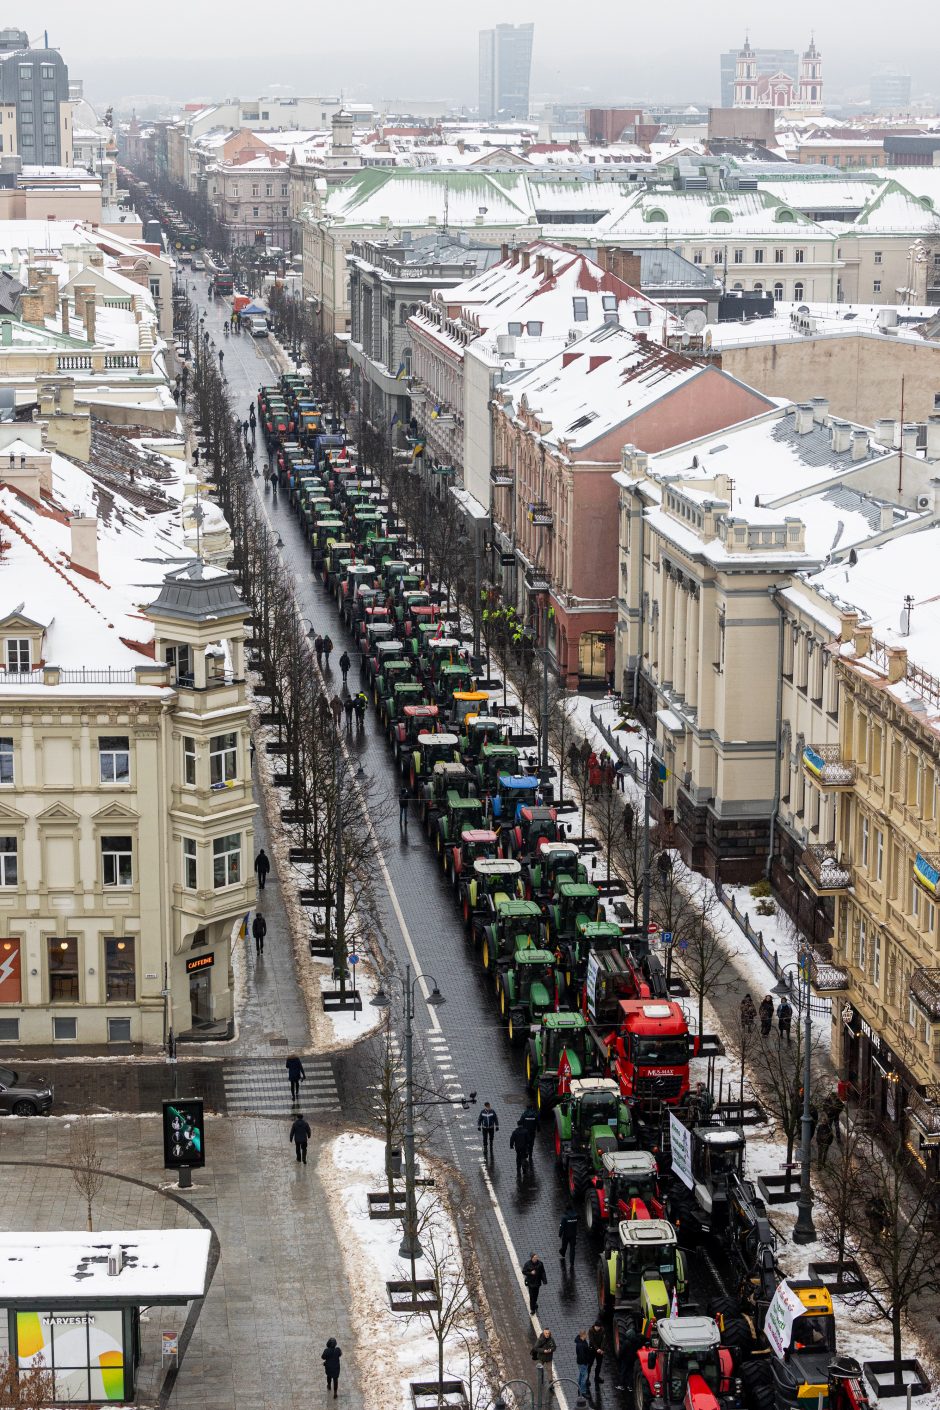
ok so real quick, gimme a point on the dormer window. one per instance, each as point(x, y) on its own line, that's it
point(19, 654)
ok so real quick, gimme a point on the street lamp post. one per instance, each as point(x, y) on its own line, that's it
point(410, 1244)
point(804, 1230)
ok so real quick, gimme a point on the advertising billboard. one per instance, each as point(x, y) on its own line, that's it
point(184, 1134)
point(83, 1350)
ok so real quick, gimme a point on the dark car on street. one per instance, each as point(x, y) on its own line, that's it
point(23, 1093)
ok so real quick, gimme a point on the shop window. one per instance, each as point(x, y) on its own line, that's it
point(64, 1030)
point(63, 970)
point(227, 860)
point(114, 758)
point(190, 866)
point(8, 859)
point(223, 759)
point(120, 969)
point(117, 861)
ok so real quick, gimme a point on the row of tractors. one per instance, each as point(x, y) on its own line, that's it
point(605, 1045)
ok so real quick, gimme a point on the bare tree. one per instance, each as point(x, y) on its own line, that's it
point(31, 1387)
point(562, 729)
point(86, 1163)
point(688, 915)
point(452, 1313)
point(780, 1077)
point(839, 1191)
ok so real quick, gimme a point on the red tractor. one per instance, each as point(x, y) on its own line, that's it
point(685, 1368)
point(625, 1187)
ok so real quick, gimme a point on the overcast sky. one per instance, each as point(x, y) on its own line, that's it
point(374, 49)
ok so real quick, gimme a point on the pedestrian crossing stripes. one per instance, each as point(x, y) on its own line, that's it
point(262, 1089)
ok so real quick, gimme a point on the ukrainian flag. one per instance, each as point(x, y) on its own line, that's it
point(395, 419)
point(243, 932)
point(436, 412)
point(418, 450)
point(401, 372)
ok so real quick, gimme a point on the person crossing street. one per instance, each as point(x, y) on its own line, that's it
point(295, 1075)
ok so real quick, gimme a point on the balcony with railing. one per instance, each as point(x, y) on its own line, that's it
point(825, 873)
point(540, 515)
point(827, 768)
point(826, 977)
point(925, 993)
point(502, 476)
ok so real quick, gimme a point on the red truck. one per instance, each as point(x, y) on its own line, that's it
point(650, 1050)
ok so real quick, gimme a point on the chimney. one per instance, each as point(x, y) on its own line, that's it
point(840, 436)
point(897, 664)
point(514, 255)
point(887, 518)
point(909, 438)
point(884, 430)
point(540, 264)
point(64, 308)
point(90, 320)
point(933, 437)
point(504, 252)
point(32, 309)
point(84, 554)
point(860, 445)
point(49, 288)
point(820, 410)
point(549, 268)
point(863, 639)
point(803, 418)
point(848, 623)
point(524, 259)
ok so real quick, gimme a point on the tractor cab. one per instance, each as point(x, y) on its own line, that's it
point(494, 759)
point(467, 705)
point(800, 1330)
point(339, 552)
point(536, 825)
point(408, 713)
point(625, 1187)
point(393, 569)
point(458, 819)
point(516, 925)
point(480, 730)
point(513, 793)
point(562, 1049)
point(356, 575)
point(326, 532)
point(591, 1120)
point(686, 1368)
point(574, 903)
point(528, 986)
point(451, 677)
point(439, 651)
point(392, 672)
point(421, 614)
point(385, 651)
point(431, 749)
point(374, 614)
point(449, 779)
point(490, 881)
point(366, 597)
point(552, 863)
point(640, 1274)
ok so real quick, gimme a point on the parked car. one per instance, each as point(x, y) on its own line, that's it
point(258, 326)
point(199, 264)
point(23, 1093)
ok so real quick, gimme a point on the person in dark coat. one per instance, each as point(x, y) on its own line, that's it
point(521, 1142)
point(330, 1358)
point(535, 1277)
point(488, 1124)
point(344, 665)
point(259, 929)
point(833, 1106)
point(300, 1135)
point(583, 1358)
point(748, 1014)
point(568, 1232)
point(544, 1348)
point(296, 1075)
point(403, 800)
point(765, 1013)
point(597, 1340)
point(262, 867)
point(823, 1140)
point(327, 648)
point(348, 711)
point(784, 1018)
point(318, 648)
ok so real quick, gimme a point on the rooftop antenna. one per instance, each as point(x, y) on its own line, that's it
point(906, 611)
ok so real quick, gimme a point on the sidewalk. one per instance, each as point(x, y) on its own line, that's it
point(279, 1290)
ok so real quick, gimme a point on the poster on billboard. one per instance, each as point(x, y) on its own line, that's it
point(184, 1134)
point(681, 1138)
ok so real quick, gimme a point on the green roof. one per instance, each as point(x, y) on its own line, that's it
point(578, 889)
point(516, 910)
point(564, 1020)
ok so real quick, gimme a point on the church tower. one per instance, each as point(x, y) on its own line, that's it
point(745, 77)
point(811, 88)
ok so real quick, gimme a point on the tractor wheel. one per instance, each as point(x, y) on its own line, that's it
point(502, 1001)
point(592, 1213)
point(605, 1298)
point(757, 1382)
point(529, 1068)
point(516, 1026)
point(737, 1335)
point(485, 953)
point(578, 1177)
point(641, 1390)
point(622, 1337)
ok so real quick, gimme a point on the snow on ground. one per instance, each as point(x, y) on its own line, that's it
point(401, 1346)
point(347, 1025)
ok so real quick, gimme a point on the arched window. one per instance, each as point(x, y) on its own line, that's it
point(798, 292)
point(758, 287)
point(656, 214)
point(736, 287)
point(784, 214)
point(721, 216)
point(778, 291)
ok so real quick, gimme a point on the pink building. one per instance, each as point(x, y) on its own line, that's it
point(557, 438)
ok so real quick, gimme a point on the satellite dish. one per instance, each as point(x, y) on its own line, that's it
point(695, 321)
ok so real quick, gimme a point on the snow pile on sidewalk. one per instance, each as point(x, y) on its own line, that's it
point(349, 1026)
point(398, 1347)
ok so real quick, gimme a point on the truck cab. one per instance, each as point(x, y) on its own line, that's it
point(650, 1051)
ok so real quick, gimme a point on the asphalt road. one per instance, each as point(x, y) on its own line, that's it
point(461, 1045)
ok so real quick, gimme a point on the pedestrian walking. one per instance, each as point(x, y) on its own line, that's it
point(530, 1119)
point(336, 705)
point(628, 820)
point(221, 359)
point(620, 770)
point(262, 867)
point(568, 1232)
point(813, 1115)
point(361, 703)
point(259, 929)
point(403, 808)
point(300, 1135)
point(488, 1123)
point(544, 1348)
point(597, 1340)
point(765, 1013)
point(344, 665)
point(535, 1278)
point(521, 1142)
point(274, 483)
point(295, 1075)
point(583, 1358)
point(784, 1018)
point(748, 1014)
point(318, 648)
point(195, 457)
point(823, 1140)
point(833, 1106)
point(327, 648)
point(330, 1358)
point(348, 711)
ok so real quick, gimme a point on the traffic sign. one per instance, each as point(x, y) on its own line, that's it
point(353, 959)
point(683, 944)
point(667, 937)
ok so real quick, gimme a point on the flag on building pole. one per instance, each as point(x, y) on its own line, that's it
point(401, 372)
point(394, 419)
point(243, 932)
point(418, 450)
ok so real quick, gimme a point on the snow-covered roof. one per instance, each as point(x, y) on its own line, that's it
point(160, 1265)
point(894, 210)
point(713, 213)
point(824, 320)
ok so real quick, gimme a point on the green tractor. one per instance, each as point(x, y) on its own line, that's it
point(528, 986)
point(457, 812)
point(560, 1050)
point(391, 674)
point(448, 779)
point(545, 869)
point(515, 926)
point(451, 678)
point(590, 1119)
point(574, 904)
point(489, 881)
point(636, 1278)
point(465, 845)
point(478, 731)
point(493, 760)
point(431, 749)
point(384, 653)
